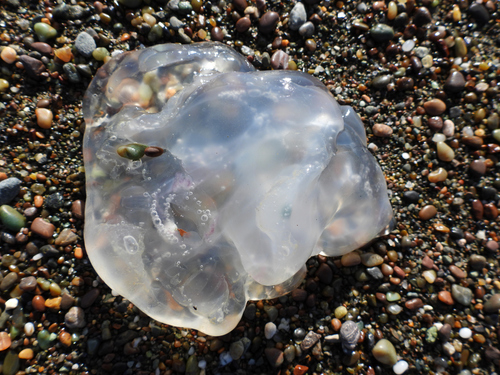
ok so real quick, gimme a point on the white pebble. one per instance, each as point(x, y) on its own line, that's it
point(225, 358)
point(29, 329)
point(449, 349)
point(438, 137)
point(202, 364)
point(465, 333)
point(449, 128)
point(400, 367)
point(270, 330)
point(11, 303)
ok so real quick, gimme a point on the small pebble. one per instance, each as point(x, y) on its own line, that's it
point(492, 305)
point(274, 356)
point(461, 294)
point(42, 228)
point(5, 341)
point(268, 22)
point(400, 367)
point(8, 55)
point(465, 333)
point(434, 107)
point(44, 117)
point(385, 353)
point(382, 32)
point(427, 212)
point(75, 318)
point(298, 16)
point(11, 218)
point(382, 130)
point(270, 330)
point(11, 303)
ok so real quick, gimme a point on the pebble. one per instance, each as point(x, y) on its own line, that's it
point(492, 305)
point(477, 167)
point(38, 303)
point(8, 55)
point(5, 341)
point(455, 82)
point(381, 82)
point(350, 259)
point(461, 294)
point(400, 367)
point(32, 66)
point(439, 175)
point(270, 330)
point(85, 44)
point(66, 237)
point(310, 340)
point(427, 212)
point(44, 31)
point(26, 354)
point(382, 32)
point(477, 262)
point(240, 4)
point(490, 211)
point(448, 128)
point(274, 356)
point(414, 304)
point(8, 281)
point(479, 13)
point(465, 333)
point(298, 16)
point(307, 29)
point(445, 152)
point(340, 312)
point(385, 353)
point(434, 107)
point(445, 297)
point(89, 298)
point(422, 16)
point(29, 329)
point(268, 22)
point(429, 276)
point(371, 259)
point(44, 118)
point(349, 335)
point(43, 48)
point(279, 60)
point(382, 130)
point(11, 363)
point(9, 189)
point(11, 218)
point(11, 303)
point(243, 24)
point(75, 318)
point(42, 228)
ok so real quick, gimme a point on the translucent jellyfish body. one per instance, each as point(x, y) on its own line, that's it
point(210, 184)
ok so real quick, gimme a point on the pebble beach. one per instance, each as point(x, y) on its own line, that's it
point(424, 299)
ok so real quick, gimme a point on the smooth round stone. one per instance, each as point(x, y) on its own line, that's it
point(42, 228)
point(274, 356)
point(11, 218)
point(243, 24)
point(11, 303)
point(100, 53)
point(85, 44)
point(465, 333)
point(479, 13)
point(270, 330)
point(435, 123)
point(414, 303)
point(408, 45)
point(439, 175)
point(4, 85)
point(385, 353)
point(392, 296)
point(382, 32)
point(382, 130)
point(279, 60)
point(26, 354)
point(28, 284)
point(394, 309)
point(434, 107)
point(478, 167)
point(4, 341)
point(75, 318)
point(44, 117)
point(307, 29)
point(427, 212)
point(8, 55)
point(460, 47)
point(448, 128)
point(455, 82)
point(461, 294)
point(44, 31)
point(298, 16)
point(29, 329)
point(268, 22)
point(400, 367)
point(429, 276)
point(445, 152)
point(381, 82)
point(350, 259)
point(445, 297)
point(422, 16)
point(11, 363)
point(492, 305)
point(340, 312)
point(371, 259)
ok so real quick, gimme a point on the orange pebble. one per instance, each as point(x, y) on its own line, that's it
point(4, 340)
point(26, 354)
point(78, 252)
point(44, 117)
point(65, 338)
point(64, 54)
point(38, 200)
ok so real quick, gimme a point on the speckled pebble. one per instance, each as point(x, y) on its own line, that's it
point(85, 44)
point(461, 294)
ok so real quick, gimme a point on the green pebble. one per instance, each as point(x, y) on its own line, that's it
point(43, 283)
point(38, 189)
point(11, 218)
point(10, 363)
point(156, 33)
point(100, 53)
point(382, 32)
point(385, 353)
point(14, 332)
point(392, 296)
point(431, 335)
point(192, 366)
point(44, 31)
point(133, 151)
point(43, 338)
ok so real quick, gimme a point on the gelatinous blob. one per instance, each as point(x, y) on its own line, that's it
point(210, 184)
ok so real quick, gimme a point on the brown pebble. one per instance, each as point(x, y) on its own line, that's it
point(32, 66)
point(65, 338)
point(240, 4)
point(66, 237)
point(477, 209)
point(274, 356)
point(491, 245)
point(299, 295)
point(445, 297)
point(350, 259)
point(457, 272)
point(324, 273)
point(399, 272)
point(243, 24)
point(427, 212)
point(472, 141)
point(89, 298)
point(38, 303)
point(492, 305)
point(436, 123)
point(414, 304)
point(490, 211)
point(336, 324)
point(422, 16)
point(434, 107)
point(77, 208)
point(41, 47)
point(455, 82)
point(217, 34)
point(427, 262)
point(382, 130)
point(42, 228)
point(28, 284)
point(268, 22)
point(478, 168)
